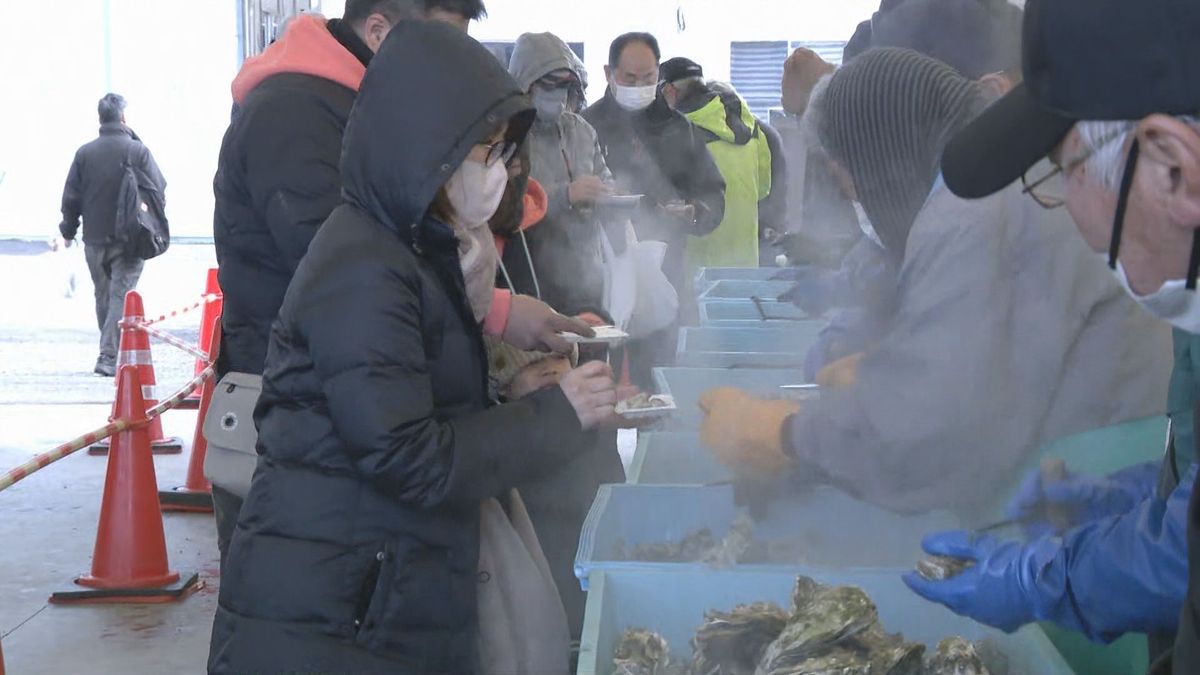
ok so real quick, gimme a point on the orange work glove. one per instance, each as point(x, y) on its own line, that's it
point(744, 432)
point(841, 374)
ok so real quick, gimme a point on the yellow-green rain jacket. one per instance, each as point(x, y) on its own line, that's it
point(739, 148)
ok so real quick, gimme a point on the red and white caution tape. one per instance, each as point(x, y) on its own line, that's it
point(11, 477)
point(174, 342)
point(204, 300)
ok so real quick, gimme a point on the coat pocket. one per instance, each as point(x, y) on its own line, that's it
point(374, 591)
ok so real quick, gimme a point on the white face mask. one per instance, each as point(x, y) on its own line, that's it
point(550, 105)
point(475, 192)
point(1173, 303)
point(635, 98)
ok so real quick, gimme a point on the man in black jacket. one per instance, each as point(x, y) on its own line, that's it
point(91, 193)
point(278, 177)
point(654, 151)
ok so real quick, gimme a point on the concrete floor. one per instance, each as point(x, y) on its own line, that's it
point(48, 529)
point(48, 521)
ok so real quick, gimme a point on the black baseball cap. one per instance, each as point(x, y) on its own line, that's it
point(1083, 60)
point(679, 68)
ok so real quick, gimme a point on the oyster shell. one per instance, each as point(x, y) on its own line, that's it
point(940, 567)
point(733, 545)
point(832, 661)
point(733, 643)
point(955, 656)
point(804, 590)
point(641, 652)
point(832, 616)
point(993, 657)
point(890, 654)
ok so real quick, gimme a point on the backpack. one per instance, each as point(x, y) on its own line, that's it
point(141, 223)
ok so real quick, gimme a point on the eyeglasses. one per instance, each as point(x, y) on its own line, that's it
point(500, 151)
point(1049, 195)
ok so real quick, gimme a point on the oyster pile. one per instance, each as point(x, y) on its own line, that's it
point(830, 630)
point(738, 546)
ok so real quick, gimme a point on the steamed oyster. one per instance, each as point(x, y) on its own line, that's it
point(940, 567)
point(733, 643)
point(832, 616)
point(641, 652)
point(955, 656)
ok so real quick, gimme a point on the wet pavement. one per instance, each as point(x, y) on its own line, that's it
point(49, 395)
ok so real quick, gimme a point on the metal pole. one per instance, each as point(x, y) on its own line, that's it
point(107, 21)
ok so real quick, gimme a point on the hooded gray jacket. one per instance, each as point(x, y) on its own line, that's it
point(1008, 333)
point(566, 245)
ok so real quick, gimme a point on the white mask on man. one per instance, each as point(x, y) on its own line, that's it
point(475, 191)
point(635, 98)
point(1174, 303)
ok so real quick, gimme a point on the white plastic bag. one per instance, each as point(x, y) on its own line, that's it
point(637, 295)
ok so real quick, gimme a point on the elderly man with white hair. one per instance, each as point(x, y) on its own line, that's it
point(1110, 91)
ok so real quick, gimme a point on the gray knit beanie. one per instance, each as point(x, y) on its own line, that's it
point(886, 117)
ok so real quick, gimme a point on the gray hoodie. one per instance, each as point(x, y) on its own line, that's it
point(566, 244)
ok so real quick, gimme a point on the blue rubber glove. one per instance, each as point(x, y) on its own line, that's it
point(1082, 498)
point(1125, 573)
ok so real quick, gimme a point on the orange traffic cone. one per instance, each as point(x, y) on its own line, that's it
point(196, 494)
point(130, 560)
point(135, 351)
point(209, 317)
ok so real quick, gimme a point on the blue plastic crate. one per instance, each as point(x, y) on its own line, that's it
point(674, 605)
point(745, 289)
point(687, 384)
point(674, 458)
point(749, 347)
point(707, 276)
point(747, 313)
point(813, 518)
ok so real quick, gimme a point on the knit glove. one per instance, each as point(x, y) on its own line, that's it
point(746, 433)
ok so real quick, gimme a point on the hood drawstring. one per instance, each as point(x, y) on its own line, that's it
point(537, 288)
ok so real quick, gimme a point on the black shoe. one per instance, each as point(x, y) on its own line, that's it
point(105, 369)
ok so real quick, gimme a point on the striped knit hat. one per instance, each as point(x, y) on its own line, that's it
point(886, 117)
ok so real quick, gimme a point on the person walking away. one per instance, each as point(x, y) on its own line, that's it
point(278, 179)
point(565, 159)
point(654, 151)
point(1127, 157)
point(742, 153)
point(357, 549)
point(91, 194)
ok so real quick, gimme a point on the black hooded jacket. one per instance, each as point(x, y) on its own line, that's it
point(357, 546)
point(658, 152)
point(276, 183)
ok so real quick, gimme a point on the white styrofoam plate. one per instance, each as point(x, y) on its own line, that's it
point(604, 335)
point(666, 407)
